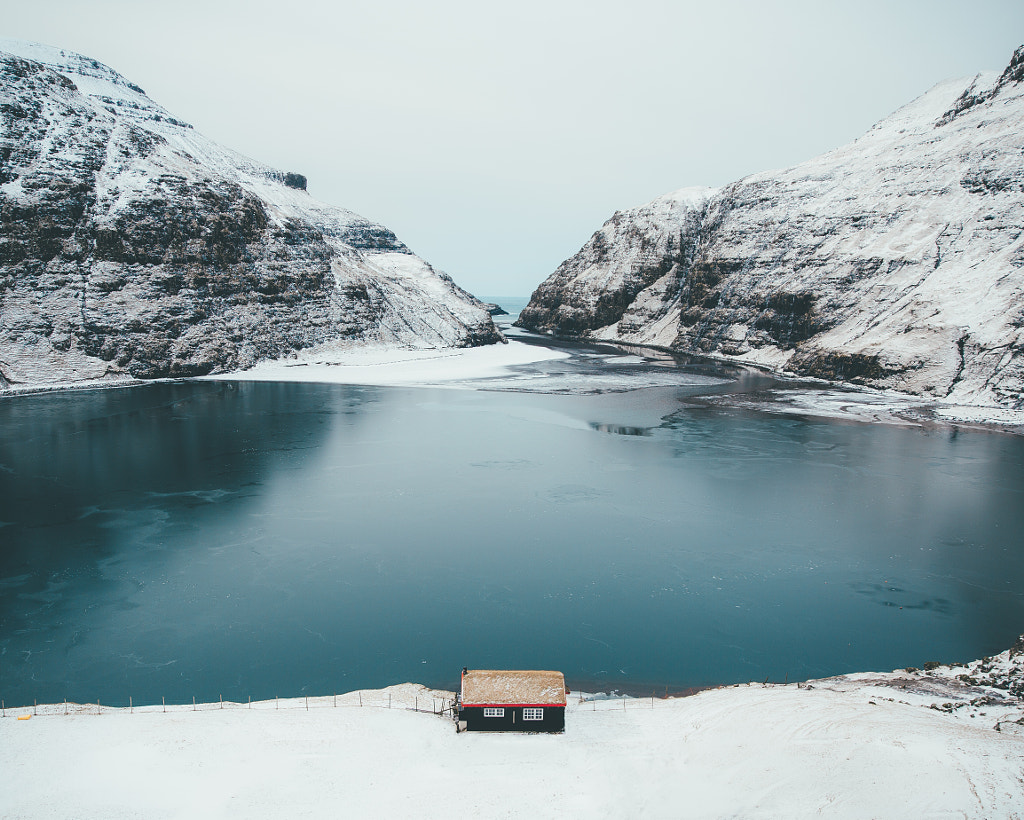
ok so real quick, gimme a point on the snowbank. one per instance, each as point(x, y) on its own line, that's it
point(942, 743)
point(868, 405)
point(391, 366)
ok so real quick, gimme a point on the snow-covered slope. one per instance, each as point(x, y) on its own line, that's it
point(896, 260)
point(943, 743)
point(633, 265)
point(131, 245)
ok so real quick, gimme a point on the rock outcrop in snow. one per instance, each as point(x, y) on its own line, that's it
point(895, 261)
point(132, 246)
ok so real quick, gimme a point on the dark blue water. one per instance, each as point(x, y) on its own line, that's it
point(217, 539)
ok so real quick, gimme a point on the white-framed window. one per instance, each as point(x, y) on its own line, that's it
point(494, 711)
point(533, 714)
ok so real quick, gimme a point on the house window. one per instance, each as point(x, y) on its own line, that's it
point(533, 714)
point(490, 711)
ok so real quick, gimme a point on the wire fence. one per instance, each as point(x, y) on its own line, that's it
point(616, 703)
point(425, 700)
point(406, 698)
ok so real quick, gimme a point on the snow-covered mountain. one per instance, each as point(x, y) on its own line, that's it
point(131, 245)
point(895, 261)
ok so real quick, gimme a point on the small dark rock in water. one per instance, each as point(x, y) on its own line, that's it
point(495, 310)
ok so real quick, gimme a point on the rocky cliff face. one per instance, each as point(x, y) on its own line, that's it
point(895, 261)
point(131, 246)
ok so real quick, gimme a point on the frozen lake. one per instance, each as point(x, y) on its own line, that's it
point(258, 539)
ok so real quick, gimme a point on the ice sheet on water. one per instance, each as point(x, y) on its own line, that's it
point(595, 371)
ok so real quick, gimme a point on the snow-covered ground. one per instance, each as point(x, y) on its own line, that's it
point(945, 743)
point(523, 367)
point(867, 405)
point(507, 367)
point(394, 366)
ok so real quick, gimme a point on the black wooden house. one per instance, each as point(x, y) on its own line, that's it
point(501, 700)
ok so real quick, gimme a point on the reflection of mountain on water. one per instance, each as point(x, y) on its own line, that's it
point(95, 483)
point(264, 539)
point(67, 453)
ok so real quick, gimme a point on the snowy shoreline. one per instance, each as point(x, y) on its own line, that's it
point(471, 368)
point(948, 741)
point(850, 402)
point(396, 367)
point(495, 367)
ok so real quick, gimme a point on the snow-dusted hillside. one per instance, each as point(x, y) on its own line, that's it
point(130, 245)
point(895, 261)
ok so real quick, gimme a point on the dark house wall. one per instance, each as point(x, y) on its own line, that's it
point(554, 720)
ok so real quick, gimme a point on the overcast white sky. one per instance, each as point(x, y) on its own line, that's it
point(495, 138)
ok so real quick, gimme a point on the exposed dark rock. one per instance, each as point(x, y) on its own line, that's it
point(975, 95)
point(121, 254)
point(858, 368)
point(293, 180)
point(633, 251)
